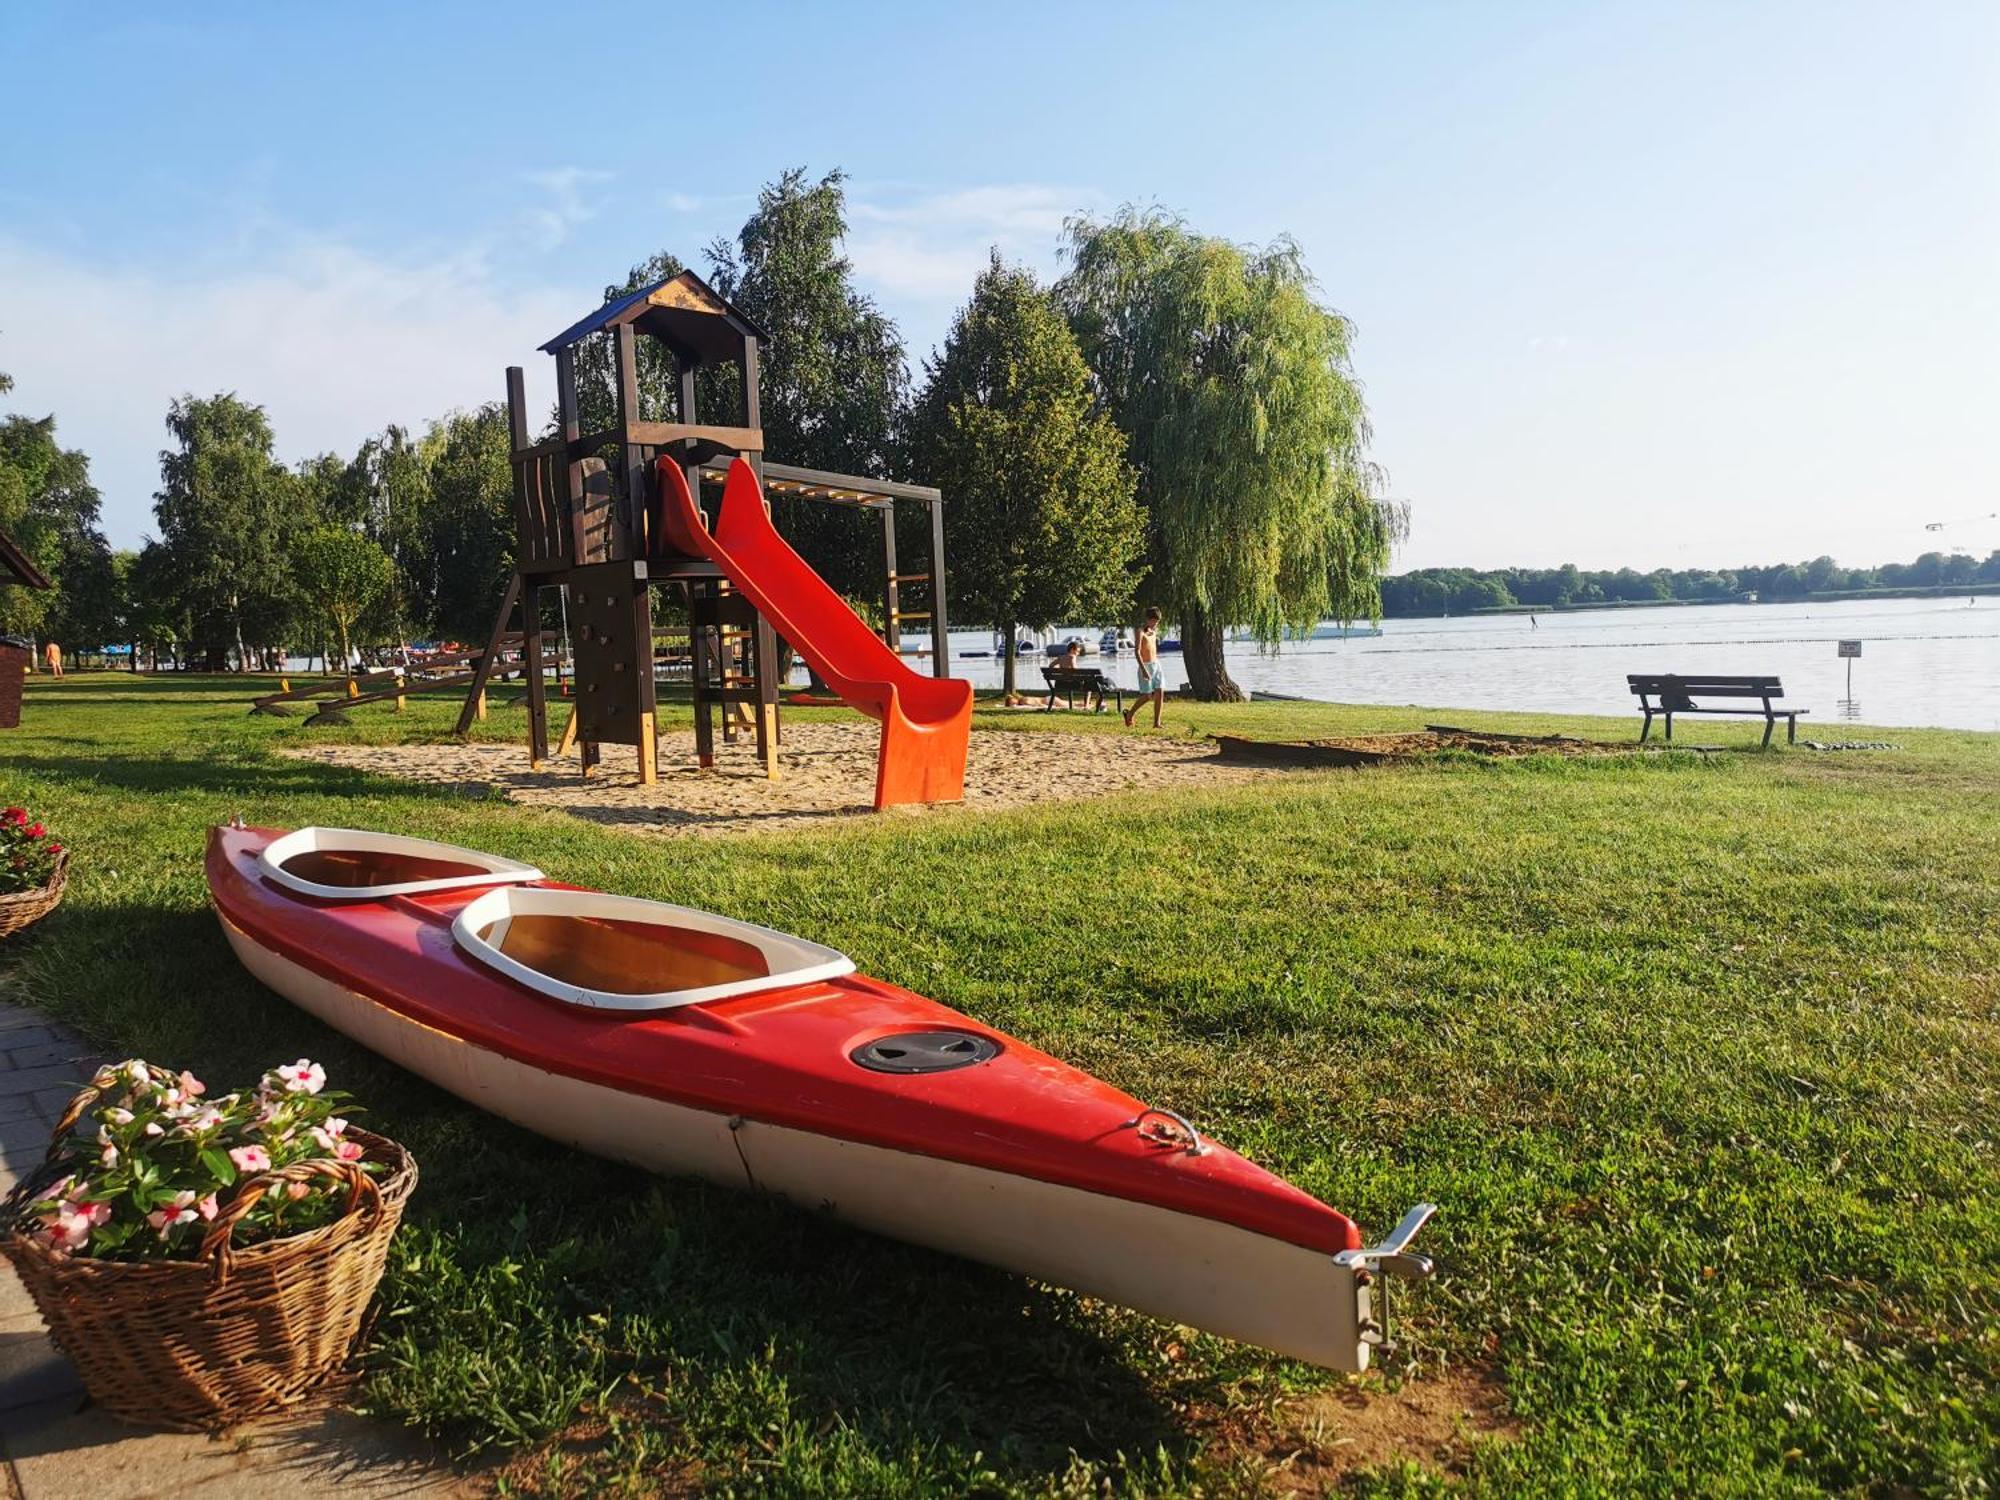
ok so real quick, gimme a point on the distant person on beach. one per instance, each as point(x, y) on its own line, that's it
point(52, 654)
point(1151, 684)
point(1072, 661)
point(1533, 623)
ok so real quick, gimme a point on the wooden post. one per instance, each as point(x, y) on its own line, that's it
point(692, 470)
point(940, 632)
point(531, 594)
point(531, 669)
point(572, 429)
point(700, 615)
point(475, 698)
point(625, 360)
point(642, 665)
point(766, 645)
point(892, 632)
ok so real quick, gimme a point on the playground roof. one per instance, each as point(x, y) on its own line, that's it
point(19, 566)
point(684, 312)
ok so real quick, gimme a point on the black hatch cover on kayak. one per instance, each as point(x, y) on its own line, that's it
point(925, 1051)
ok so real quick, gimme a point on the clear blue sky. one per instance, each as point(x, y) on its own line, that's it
point(1658, 285)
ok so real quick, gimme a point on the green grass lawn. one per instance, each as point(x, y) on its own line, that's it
point(1699, 1055)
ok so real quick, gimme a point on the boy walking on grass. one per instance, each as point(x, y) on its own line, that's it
point(1151, 684)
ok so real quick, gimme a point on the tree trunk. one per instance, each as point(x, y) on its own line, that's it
point(1007, 654)
point(1201, 650)
point(345, 655)
point(236, 609)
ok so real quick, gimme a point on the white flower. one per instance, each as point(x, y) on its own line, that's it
point(153, 1127)
point(118, 1116)
point(302, 1077)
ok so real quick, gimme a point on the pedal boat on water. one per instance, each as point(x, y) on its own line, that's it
point(685, 1042)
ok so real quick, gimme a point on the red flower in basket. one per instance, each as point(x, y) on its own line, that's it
point(27, 855)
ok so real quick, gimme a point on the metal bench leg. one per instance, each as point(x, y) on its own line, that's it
point(1791, 729)
point(1647, 727)
point(1770, 723)
point(1670, 726)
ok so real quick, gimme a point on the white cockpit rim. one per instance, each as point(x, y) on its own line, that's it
point(481, 931)
point(477, 868)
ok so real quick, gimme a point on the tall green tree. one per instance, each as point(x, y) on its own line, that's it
point(835, 378)
point(51, 509)
point(1242, 416)
point(226, 523)
point(460, 547)
point(1041, 525)
point(344, 575)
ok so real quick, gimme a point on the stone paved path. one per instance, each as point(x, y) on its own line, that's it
point(56, 1445)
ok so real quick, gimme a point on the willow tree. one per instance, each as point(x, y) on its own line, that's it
point(1041, 524)
point(1244, 421)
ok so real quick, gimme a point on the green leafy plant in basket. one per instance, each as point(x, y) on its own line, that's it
point(146, 1166)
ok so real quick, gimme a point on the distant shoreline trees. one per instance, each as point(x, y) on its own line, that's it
point(1461, 591)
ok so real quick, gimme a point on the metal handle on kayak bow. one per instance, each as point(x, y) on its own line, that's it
point(1162, 1133)
point(1393, 1257)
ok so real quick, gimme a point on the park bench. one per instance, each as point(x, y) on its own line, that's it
point(1067, 682)
point(1677, 696)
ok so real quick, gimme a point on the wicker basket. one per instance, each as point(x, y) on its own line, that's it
point(200, 1344)
point(24, 908)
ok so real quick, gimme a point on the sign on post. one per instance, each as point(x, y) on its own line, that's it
point(1850, 648)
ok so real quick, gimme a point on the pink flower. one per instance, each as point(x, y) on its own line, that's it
point(250, 1158)
point(154, 1127)
point(348, 1150)
point(37, 831)
point(180, 1211)
point(302, 1077)
point(297, 1190)
point(207, 1207)
point(118, 1116)
point(67, 1232)
point(109, 1156)
point(201, 1120)
point(192, 1085)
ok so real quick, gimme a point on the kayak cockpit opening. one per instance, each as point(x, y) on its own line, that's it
point(622, 953)
point(352, 864)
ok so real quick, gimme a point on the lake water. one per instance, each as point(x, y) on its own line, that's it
point(1929, 662)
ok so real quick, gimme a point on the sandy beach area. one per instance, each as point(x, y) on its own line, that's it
point(826, 770)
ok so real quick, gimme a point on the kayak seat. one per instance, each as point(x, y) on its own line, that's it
point(623, 953)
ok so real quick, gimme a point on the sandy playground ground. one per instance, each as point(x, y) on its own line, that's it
point(826, 771)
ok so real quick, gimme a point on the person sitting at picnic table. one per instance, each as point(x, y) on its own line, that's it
point(1072, 661)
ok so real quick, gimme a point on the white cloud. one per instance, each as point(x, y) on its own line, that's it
point(568, 203)
point(332, 342)
point(920, 252)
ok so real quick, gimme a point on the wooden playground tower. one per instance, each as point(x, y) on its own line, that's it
point(586, 523)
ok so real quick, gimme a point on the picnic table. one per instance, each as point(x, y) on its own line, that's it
point(1067, 682)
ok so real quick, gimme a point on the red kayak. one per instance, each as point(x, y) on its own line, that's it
point(686, 1042)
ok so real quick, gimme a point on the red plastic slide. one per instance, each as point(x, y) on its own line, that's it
point(926, 721)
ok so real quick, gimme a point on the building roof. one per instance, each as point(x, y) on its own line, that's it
point(684, 312)
point(16, 566)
